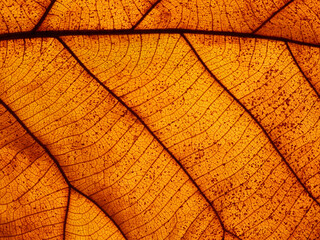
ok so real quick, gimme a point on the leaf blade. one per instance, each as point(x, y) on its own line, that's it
point(147, 182)
point(32, 205)
point(154, 98)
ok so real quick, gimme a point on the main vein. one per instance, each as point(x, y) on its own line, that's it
point(59, 33)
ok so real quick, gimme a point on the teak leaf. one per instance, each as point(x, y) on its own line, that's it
point(159, 119)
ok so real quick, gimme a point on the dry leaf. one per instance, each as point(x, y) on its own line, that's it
point(159, 119)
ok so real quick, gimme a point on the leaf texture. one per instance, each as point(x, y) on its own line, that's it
point(235, 16)
point(97, 14)
point(159, 120)
point(84, 220)
point(21, 16)
point(33, 192)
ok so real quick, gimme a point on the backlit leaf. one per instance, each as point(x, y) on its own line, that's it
point(159, 120)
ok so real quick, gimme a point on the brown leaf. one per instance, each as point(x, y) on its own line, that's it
point(160, 120)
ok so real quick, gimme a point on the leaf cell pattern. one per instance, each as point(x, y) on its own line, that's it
point(159, 119)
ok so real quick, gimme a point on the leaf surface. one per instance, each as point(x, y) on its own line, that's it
point(160, 120)
point(21, 16)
